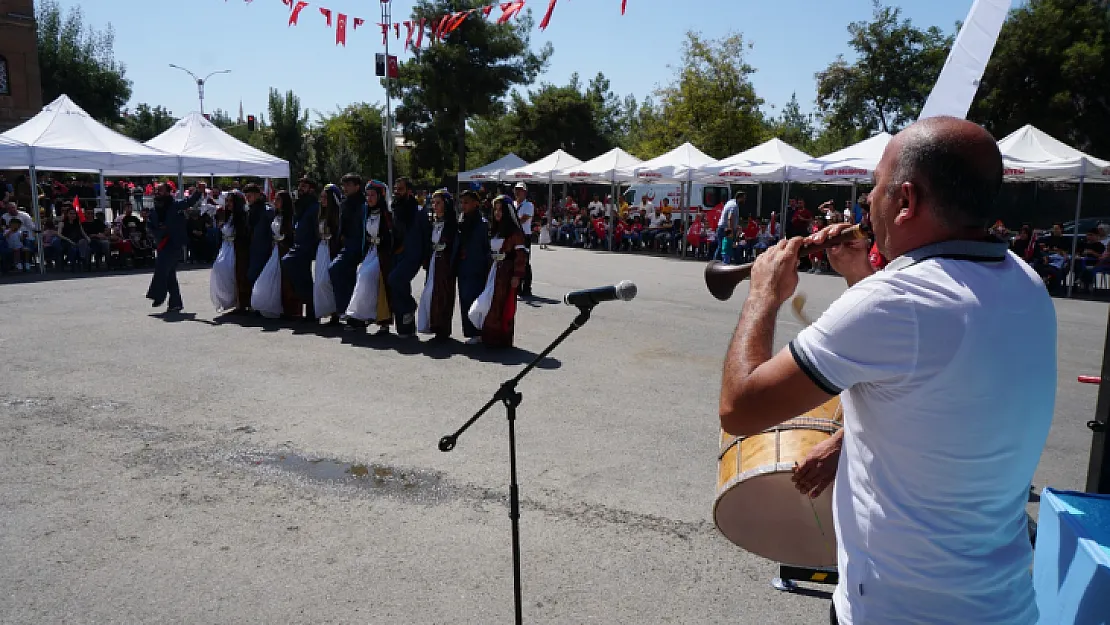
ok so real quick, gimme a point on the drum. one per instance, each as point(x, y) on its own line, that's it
point(757, 506)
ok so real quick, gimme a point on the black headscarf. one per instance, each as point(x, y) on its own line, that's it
point(508, 224)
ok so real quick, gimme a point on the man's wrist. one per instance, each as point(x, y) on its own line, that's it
point(761, 302)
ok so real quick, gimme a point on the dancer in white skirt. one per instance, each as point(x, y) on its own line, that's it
point(370, 300)
point(266, 296)
point(323, 295)
point(222, 285)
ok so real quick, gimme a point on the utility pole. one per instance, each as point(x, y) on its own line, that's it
point(387, 123)
point(200, 82)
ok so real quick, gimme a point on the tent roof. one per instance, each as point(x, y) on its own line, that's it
point(208, 151)
point(1031, 154)
point(855, 162)
point(14, 154)
point(674, 166)
point(766, 162)
point(493, 171)
point(544, 169)
point(64, 137)
point(604, 168)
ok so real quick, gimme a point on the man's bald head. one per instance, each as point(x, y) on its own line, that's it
point(955, 167)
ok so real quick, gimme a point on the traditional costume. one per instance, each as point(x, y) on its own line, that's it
point(495, 309)
point(296, 263)
point(221, 287)
point(437, 302)
point(344, 268)
point(323, 295)
point(259, 219)
point(266, 294)
point(167, 223)
point(471, 262)
point(409, 238)
point(235, 206)
point(292, 306)
point(370, 301)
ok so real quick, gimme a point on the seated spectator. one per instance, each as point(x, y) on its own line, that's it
point(13, 238)
point(75, 243)
point(99, 242)
point(52, 251)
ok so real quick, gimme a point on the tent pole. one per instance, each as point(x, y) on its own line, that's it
point(759, 200)
point(853, 198)
point(614, 202)
point(35, 210)
point(1075, 239)
point(686, 211)
point(102, 201)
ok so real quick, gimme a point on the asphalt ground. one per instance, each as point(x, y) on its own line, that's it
point(196, 469)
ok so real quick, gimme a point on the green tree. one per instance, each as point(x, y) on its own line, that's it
point(221, 119)
point(1051, 68)
point(350, 140)
point(285, 137)
point(793, 126)
point(492, 136)
point(145, 122)
point(447, 84)
point(608, 110)
point(77, 60)
point(711, 102)
point(566, 118)
point(896, 67)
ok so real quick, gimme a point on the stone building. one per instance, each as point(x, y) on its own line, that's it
point(20, 86)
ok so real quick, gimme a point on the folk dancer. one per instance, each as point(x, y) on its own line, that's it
point(235, 205)
point(224, 282)
point(352, 234)
point(525, 212)
point(471, 260)
point(260, 217)
point(296, 263)
point(370, 300)
point(168, 226)
point(495, 310)
point(409, 240)
point(437, 303)
point(323, 295)
point(266, 296)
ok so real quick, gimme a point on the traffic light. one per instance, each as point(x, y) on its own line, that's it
point(250, 123)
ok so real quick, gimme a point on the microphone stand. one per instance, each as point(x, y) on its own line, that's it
point(511, 398)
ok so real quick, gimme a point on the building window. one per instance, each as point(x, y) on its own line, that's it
point(5, 82)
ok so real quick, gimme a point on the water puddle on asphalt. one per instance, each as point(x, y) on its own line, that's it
point(409, 484)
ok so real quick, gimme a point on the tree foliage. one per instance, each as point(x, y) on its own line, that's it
point(285, 136)
point(1051, 68)
point(77, 60)
point(145, 122)
point(711, 103)
point(794, 127)
point(446, 85)
point(349, 140)
point(885, 88)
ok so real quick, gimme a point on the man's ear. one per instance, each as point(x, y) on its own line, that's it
point(908, 201)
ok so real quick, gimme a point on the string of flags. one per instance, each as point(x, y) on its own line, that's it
point(435, 29)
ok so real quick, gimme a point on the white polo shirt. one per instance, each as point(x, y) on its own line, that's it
point(947, 363)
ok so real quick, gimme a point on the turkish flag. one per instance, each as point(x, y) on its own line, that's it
point(547, 16)
point(392, 68)
point(420, 32)
point(410, 27)
point(296, 14)
point(508, 10)
point(327, 14)
point(358, 22)
point(341, 30)
point(385, 33)
point(624, 5)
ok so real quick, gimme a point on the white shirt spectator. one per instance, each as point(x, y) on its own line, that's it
point(595, 208)
point(28, 221)
point(525, 211)
point(657, 221)
point(947, 375)
point(649, 209)
point(726, 214)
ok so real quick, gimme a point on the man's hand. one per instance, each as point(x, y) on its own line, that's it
point(775, 274)
point(850, 259)
point(819, 468)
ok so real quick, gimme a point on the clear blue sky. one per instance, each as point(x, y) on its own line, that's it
point(792, 39)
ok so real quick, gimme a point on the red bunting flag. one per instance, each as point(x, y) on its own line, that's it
point(420, 32)
point(409, 28)
point(508, 10)
point(392, 68)
point(487, 10)
point(358, 22)
point(547, 16)
point(385, 33)
point(327, 14)
point(341, 30)
point(288, 3)
point(296, 14)
point(454, 22)
point(624, 5)
point(440, 25)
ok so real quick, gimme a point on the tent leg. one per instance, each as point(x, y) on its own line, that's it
point(609, 227)
point(759, 200)
point(1075, 239)
point(36, 211)
point(102, 201)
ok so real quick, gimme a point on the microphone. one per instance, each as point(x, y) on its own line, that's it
point(588, 298)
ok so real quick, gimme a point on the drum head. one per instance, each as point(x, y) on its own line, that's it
point(767, 516)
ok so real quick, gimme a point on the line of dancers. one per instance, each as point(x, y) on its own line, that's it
point(341, 255)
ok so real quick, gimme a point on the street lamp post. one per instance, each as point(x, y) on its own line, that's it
point(200, 82)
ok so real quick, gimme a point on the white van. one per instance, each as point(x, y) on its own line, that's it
point(703, 197)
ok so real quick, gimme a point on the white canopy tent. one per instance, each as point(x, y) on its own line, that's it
point(544, 170)
point(205, 150)
point(493, 172)
point(14, 154)
point(767, 162)
point(604, 168)
point(1029, 154)
point(678, 165)
point(853, 163)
